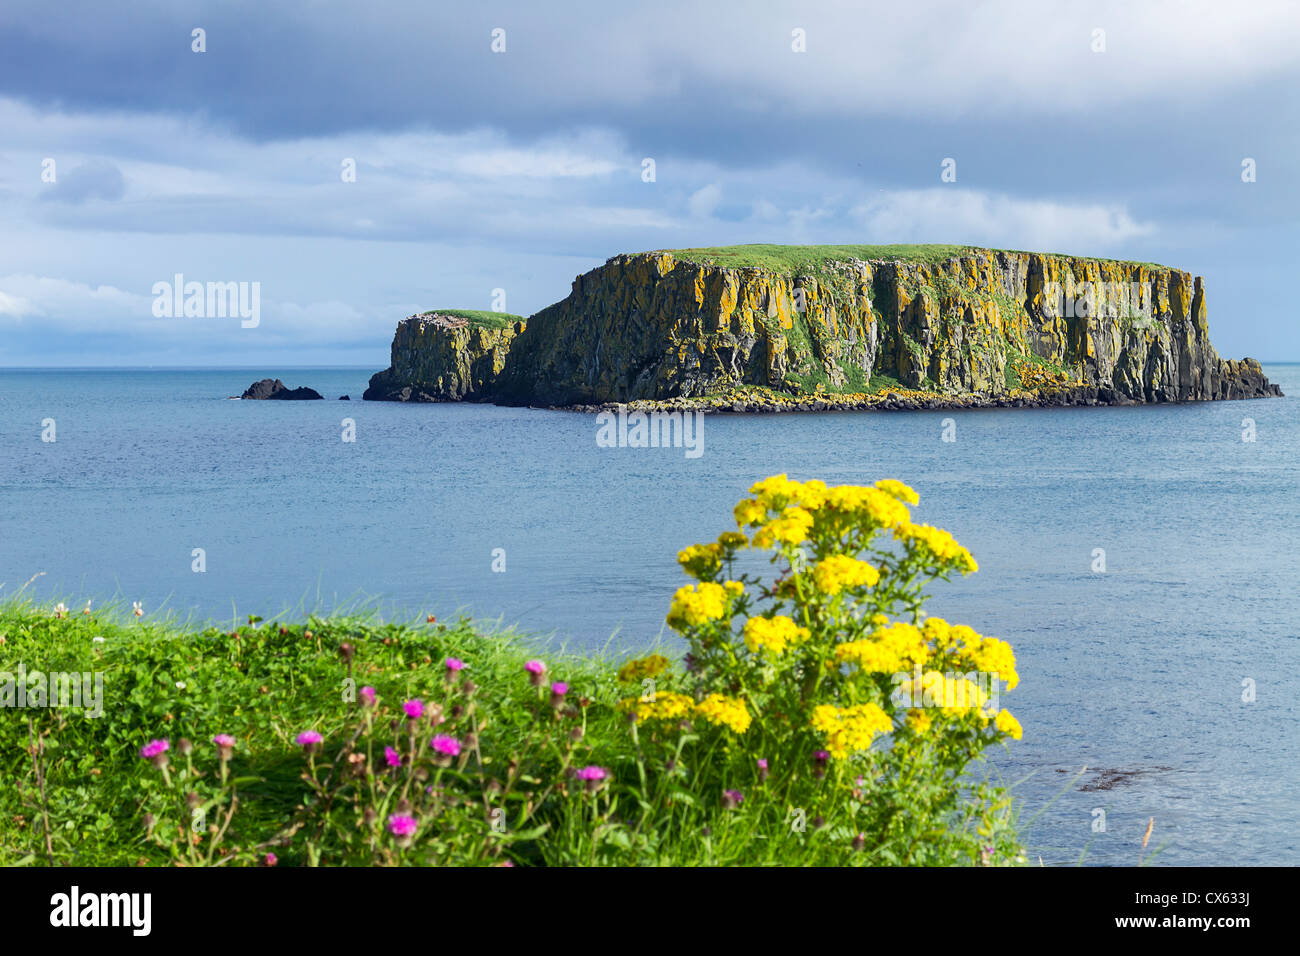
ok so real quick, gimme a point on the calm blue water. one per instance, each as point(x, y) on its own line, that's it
point(1137, 669)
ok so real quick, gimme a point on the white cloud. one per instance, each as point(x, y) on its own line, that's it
point(980, 218)
point(704, 201)
point(932, 58)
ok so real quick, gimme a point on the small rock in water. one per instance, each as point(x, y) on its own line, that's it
point(274, 389)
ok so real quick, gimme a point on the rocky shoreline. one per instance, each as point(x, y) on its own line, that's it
point(1080, 396)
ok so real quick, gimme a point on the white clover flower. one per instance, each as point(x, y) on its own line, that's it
point(137, 609)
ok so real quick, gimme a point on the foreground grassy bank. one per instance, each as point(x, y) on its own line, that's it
point(783, 737)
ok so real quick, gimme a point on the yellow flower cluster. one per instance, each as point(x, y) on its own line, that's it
point(895, 488)
point(701, 560)
point(939, 543)
point(919, 720)
point(839, 572)
point(790, 527)
point(749, 512)
point(776, 492)
point(643, 667)
point(772, 634)
point(1008, 725)
point(987, 654)
point(783, 509)
point(696, 604)
point(731, 541)
point(724, 711)
point(889, 649)
point(666, 705)
point(949, 636)
point(994, 657)
point(849, 729)
point(868, 504)
point(952, 695)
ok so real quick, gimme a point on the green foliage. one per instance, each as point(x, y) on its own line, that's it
point(480, 317)
point(539, 774)
point(801, 689)
point(886, 382)
point(808, 260)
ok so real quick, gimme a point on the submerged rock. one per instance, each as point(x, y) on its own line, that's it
point(272, 389)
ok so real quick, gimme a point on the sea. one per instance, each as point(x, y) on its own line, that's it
point(1143, 561)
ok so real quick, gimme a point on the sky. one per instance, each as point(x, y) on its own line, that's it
point(500, 150)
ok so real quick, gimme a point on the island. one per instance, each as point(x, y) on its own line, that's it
point(773, 328)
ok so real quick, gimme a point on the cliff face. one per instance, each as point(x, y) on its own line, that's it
point(439, 357)
point(983, 324)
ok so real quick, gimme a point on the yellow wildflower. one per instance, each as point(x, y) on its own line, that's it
point(749, 512)
point(887, 650)
point(791, 527)
point(936, 629)
point(812, 494)
point(953, 695)
point(725, 711)
point(959, 635)
point(776, 492)
point(994, 657)
point(772, 634)
point(666, 705)
point(868, 504)
point(839, 572)
point(701, 561)
point(941, 545)
point(730, 541)
point(896, 489)
point(642, 668)
point(849, 729)
point(918, 720)
point(696, 604)
point(1008, 724)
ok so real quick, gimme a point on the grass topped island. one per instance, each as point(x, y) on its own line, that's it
point(834, 327)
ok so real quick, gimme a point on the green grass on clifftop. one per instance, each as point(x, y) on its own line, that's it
point(806, 259)
point(809, 258)
point(480, 317)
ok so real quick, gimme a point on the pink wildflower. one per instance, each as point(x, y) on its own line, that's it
point(155, 749)
point(401, 825)
point(443, 744)
point(593, 776)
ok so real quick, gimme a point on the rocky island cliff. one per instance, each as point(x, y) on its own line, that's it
point(772, 327)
